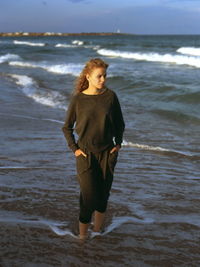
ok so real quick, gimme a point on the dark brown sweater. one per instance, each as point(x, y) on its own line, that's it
point(97, 118)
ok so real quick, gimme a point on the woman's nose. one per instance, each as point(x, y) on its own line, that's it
point(102, 79)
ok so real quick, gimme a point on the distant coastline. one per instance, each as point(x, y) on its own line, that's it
point(19, 34)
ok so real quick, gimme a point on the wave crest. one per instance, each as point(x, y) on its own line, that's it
point(28, 43)
point(157, 149)
point(154, 57)
point(193, 51)
point(73, 69)
point(8, 57)
point(77, 42)
point(64, 45)
point(30, 89)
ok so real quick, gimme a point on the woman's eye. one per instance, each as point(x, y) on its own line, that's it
point(99, 76)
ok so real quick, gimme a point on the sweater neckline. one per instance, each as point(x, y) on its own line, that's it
point(95, 95)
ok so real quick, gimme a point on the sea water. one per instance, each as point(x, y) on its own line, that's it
point(153, 216)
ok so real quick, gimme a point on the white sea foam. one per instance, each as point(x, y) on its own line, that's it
point(154, 57)
point(30, 89)
point(77, 42)
point(71, 68)
point(118, 221)
point(95, 47)
point(61, 232)
point(23, 80)
point(8, 57)
point(48, 100)
point(28, 43)
point(65, 45)
point(154, 148)
point(193, 51)
point(145, 147)
point(23, 64)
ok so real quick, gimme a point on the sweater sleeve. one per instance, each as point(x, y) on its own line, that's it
point(118, 121)
point(68, 127)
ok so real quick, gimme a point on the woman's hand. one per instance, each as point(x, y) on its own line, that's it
point(115, 148)
point(78, 152)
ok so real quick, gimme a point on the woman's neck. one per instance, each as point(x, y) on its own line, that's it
point(93, 91)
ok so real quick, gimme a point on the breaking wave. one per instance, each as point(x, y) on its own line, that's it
point(30, 88)
point(193, 51)
point(157, 149)
point(77, 42)
point(28, 43)
point(153, 57)
point(71, 68)
point(8, 57)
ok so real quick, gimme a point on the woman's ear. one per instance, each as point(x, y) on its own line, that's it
point(87, 76)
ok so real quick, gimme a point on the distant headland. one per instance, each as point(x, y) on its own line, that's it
point(60, 34)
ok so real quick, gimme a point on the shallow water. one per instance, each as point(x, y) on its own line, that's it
point(153, 215)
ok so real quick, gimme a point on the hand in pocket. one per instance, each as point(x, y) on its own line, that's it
point(79, 152)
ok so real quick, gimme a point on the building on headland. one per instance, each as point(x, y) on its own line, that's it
point(48, 33)
point(52, 33)
point(59, 33)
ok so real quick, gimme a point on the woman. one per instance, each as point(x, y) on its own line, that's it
point(96, 111)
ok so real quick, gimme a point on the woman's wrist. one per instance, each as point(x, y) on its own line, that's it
point(118, 146)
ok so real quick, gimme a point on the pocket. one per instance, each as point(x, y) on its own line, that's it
point(82, 163)
point(112, 160)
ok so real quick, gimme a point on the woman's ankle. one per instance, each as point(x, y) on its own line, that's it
point(83, 229)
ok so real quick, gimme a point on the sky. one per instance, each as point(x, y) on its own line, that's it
point(126, 16)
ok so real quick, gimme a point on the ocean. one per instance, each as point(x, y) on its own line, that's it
point(153, 217)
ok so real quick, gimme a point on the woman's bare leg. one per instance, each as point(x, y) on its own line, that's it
point(98, 220)
point(83, 230)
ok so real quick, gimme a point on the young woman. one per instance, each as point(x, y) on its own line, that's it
point(96, 113)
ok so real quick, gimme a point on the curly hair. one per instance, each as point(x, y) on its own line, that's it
point(81, 82)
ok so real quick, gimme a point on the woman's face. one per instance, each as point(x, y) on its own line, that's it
point(97, 78)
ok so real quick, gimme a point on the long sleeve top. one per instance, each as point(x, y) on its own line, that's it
point(97, 120)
